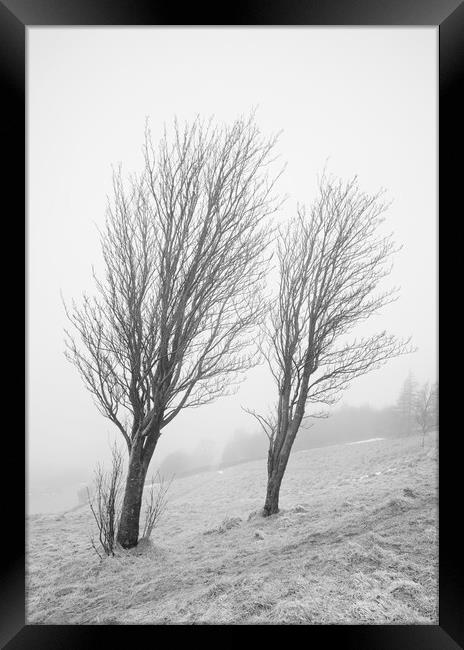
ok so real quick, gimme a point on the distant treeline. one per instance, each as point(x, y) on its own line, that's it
point(345, 424)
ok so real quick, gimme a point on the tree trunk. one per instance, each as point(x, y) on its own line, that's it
point(277, 463)
point(128, 529)
point(271, 505)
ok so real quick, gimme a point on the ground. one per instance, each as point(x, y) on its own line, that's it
point(355, 542)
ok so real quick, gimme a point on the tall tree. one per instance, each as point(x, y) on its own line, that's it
point(405, 405)
point(331, 262)
point(426, 408)
point(171, 324)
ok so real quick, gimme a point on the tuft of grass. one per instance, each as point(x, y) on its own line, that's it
point(226, 524)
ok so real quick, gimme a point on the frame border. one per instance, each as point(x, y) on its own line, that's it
point(15, 17)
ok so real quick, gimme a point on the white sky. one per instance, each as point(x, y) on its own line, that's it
point(363, 98)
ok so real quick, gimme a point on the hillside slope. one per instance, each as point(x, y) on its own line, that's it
point(355, 542)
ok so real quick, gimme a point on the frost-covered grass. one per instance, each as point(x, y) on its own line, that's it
point(355, 542)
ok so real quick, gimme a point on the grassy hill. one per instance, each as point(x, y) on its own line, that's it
point(356, 541)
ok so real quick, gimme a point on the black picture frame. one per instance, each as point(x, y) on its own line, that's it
point(15, 17)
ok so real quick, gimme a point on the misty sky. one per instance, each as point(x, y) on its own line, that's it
point(363, 101)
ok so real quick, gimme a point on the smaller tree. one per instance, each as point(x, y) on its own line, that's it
point(105, 502)
point(332, 262)
point(426, 409)
point(405, 406)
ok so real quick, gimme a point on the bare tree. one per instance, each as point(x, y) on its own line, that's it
point(426, 408)
point(171, 325)
point(405, 406)
point(104, 502)
point(331, 262)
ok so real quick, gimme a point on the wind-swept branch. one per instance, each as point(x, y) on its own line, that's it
point(184, 248)
point(331, 263)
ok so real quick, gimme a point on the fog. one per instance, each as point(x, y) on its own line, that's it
point(361, 101)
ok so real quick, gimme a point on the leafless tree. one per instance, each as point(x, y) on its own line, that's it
point(155, 503)
point(426, 408)
point(405, 406)
point(331, 262)
point(104, 502)
point(171, 325)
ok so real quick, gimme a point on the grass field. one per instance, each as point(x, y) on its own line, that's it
point(356, 541)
